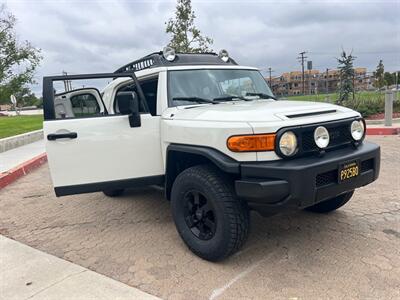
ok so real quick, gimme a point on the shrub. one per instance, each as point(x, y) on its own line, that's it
point(370, 103)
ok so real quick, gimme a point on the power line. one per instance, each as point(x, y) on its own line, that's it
point(358, 53)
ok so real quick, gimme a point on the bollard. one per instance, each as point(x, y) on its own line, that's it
point(388, 108)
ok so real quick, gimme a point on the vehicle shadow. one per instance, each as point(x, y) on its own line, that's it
point(299, 230)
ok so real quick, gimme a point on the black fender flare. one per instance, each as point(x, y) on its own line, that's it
point(222, 161)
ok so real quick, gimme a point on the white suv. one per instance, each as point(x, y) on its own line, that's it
point(213, 135)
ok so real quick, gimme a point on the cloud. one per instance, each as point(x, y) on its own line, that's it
point(100, 36)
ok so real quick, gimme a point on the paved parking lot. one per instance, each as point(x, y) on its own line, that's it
point(352, 253)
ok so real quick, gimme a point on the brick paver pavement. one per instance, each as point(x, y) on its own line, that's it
point(352, 253)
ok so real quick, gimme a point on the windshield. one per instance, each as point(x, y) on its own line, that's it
point(216, 84)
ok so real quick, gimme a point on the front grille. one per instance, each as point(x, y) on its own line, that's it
point(367, 165)
point(326, 178)
point(339, 135)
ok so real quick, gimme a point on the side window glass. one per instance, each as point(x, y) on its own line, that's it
point(149, 88)
point(84, 105)
point(78, 104)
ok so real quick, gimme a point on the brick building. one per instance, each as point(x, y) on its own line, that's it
point(316, 82)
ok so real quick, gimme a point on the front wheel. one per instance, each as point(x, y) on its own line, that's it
point(331, 204)
point(209, 217)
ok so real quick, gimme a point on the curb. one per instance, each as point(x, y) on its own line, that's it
point(19, 140)
point(383, 130)
point(381, 121)
point(13, 174)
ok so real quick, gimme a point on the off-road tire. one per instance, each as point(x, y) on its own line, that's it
point(231, 214)
point(113, 193)
point(331, 204)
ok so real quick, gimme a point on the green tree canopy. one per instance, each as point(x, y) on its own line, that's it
point(185, 35)
point(346, 70)
point(379, 75)
point(18, 60)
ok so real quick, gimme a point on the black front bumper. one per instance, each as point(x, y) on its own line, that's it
point(272, 187)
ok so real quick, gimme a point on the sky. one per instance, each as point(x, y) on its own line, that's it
point(100, 36)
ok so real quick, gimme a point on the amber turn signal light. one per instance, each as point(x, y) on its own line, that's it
point(247, 143)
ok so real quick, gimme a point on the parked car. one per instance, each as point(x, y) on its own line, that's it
point(213, 135)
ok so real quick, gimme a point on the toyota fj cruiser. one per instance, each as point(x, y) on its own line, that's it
point(213, 135)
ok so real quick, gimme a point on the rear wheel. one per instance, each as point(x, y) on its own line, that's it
point(209, 217)
point(331, 204)
point(113, 193)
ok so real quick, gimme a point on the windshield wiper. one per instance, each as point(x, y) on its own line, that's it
point(230, 98)
point(261, 95)
point(195, 99)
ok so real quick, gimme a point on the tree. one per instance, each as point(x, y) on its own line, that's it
point(18, 61)
point(185, 35)
point(346, 72)
point(379, 75)
point(389, 78)
point(27, 98)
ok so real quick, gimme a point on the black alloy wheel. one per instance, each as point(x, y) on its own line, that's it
point(199, 215)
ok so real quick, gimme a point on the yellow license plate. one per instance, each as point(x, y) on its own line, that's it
point(348, 170)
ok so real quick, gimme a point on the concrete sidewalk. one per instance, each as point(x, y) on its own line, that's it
point(14, 157)
point(27, 273)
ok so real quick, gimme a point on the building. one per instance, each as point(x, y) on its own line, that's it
point(5, 107)
point(316, 82)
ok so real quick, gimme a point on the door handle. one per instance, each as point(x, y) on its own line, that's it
point(69, 135)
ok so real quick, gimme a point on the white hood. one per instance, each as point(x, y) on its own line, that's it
point(263, 111)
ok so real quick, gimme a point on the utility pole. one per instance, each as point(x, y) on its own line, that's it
point(67, 83)
point(302, 58)
point(326, 81)
point(270, 71)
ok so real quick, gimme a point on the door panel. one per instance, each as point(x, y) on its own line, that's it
point(105, 149)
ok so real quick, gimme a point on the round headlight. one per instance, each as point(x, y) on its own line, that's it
point(288, 143)
point(169, 53)
point(321, 137)
point(224, 55)
point(357, 130)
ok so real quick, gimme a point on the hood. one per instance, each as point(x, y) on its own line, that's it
point(259, 111)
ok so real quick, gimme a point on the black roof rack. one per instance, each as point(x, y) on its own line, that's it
point(156, 59)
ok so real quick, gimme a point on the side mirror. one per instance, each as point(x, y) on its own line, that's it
point(128, 104)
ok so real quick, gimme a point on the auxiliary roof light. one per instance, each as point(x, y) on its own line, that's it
point(224, 55)
point(169, 53)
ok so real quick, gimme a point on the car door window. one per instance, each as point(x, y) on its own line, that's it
point(149, 88)
point(84, 105)
point(79, 103)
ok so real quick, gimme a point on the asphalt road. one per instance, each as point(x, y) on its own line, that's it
point(351, 253)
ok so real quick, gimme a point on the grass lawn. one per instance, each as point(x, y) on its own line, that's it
point(318, 98)
point(10, 126)
point(332, 97)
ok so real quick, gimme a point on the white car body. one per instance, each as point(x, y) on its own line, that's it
point(205, 125)
point(209, 132)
